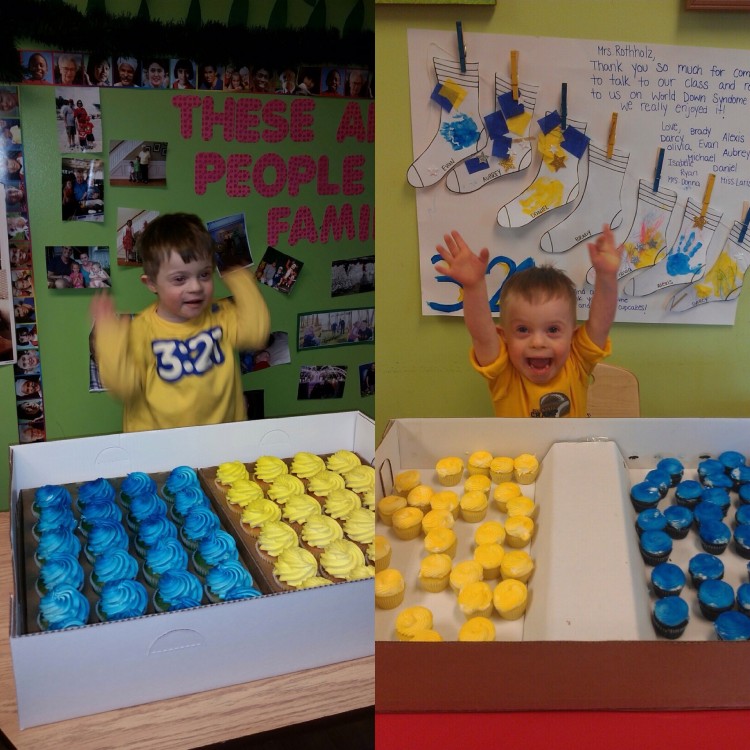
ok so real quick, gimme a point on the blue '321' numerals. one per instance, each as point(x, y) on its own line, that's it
point(194, 356)
point(495, 298)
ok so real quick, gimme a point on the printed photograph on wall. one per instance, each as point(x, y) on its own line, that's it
point(126, 72)
point(9, 101)
point(182, 73)
point(352, 276)
point(98, 69)
point(36, 66)
point(232, 246)
point(321, 381)
point(79, 119)
point(131, 223)
point(8, 334)
point(68, 69)
point(279, 271)
point(316, 330)
point(367, 379)
point(82, 189)
point(137, 163)
point(155, 73)
point(80, 267)
point(275, 352)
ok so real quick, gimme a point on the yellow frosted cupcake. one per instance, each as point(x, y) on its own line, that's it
point(360, 526)
point(479, 463)
point(517, 564)
point(465, 572)
point(267, 469)
point(360, 479)
point(434, 571)
point(342, 461)
point(445, 500)
point(274, 538)
point(313, 582)
point(475, 600)
point(389, 588)
point(509, 598)
point(441, 540)
point(518, 531)
point(306, 465)
point(388, 506)
point(477, 629)
point(501, 469)
point(504, 492)
point(426, 636)
point(286, 486)
point(381, 554)
point(473, 506)
point(490, 532)
point(437, 519)
point(489, 556)
point(294, 566)
point(407, 523)
point(340, 558)
point(341, 503)
point(525, 468)
point(412, 620)
point(299, 509)
point(405, 481)
point(478, 482)
point(449, 470)
point(228, 473)
point(242, 493)
point(319, 531)
point(420, 497)
point(257, 513)
point(325, 482)
point(521, 506)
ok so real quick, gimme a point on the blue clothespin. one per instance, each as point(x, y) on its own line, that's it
point(743, 231)
point(461, 48)
point(564, 106)
point(659, 165)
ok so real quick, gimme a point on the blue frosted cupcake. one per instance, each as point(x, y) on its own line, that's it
point(644, 495)
point(97, 490)
point(743, 598)
point(714, 536)
point(742, 540)
point(661, 479)
point(715, 597)
point(99, 511)
point(222, 578)
point(744, 494)
point(706, 512)
point(214, 549)
point(166, 554)
point(670, 616)
point(704, 567)
point(56, 542)
point(180, 478)
point(731, 460)
point(104, 536)
point(151, 530)
point(709, 466)
point(63, 607)
point(717, 496)
point(122, 599)
point(143, 506)
point(732, 626)
point(136, 483)
point(673, 467)
point(54, 517)
point(718, 480)
point(199, 523)
point(739, 476)
point(679, 520)
point(113, 565)
point(185, 500)
point(63, 569)
point(742, 516)
point(656, 547)
point(688, 493)
point(177, 589)
point(243, 591)
point(650, 520)
point(667, 579)
point(49, 496)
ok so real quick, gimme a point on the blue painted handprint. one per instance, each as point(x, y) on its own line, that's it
point(678, 261)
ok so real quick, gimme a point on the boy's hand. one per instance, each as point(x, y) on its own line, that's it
point(459, 262)
point(102, 308)
point(605, 255)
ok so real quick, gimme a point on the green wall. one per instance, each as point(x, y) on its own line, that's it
point(423, 369)
point(62, 315)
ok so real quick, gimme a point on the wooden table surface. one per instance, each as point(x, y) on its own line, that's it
point(191, 720)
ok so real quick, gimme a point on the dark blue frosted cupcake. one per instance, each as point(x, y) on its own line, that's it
point(650, 520)
point(715, 597)
point(177, 589)
point(136, 483)
point(744, 494)
point(56, 517)
point(103, 536)
point(222, 578)
point(739, 476)
point(199, 523)
point(97, 490)
point(670, 616)
point(48, 496)
point(63, 569)
point(656, 547)
point(743, 598)
point(122, 599)
point(709, 466)
point(661, 479)
point(706, 512)
point(715, 536)
point(151, 530)
point(673, 467)
point(113, 565)
point(679, 520)
point(688, 493)
point(667, 579)
point(704, 567)
point(99, 511)
point(188, 498)
point(731, 460)
point(732, 626)
point(63, 607)
point(179, 478)
point(718, 480)
point(56, 542)
point(143, 506)
point(718, 496)
point(644, 495)
point(742, 516)
point(214, 549)
point(742, 540)
point(166, 554)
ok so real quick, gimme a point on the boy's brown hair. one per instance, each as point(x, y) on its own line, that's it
point(539, 284)
point(182, 233)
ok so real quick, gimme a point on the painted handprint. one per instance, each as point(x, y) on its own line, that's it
point(678, 261)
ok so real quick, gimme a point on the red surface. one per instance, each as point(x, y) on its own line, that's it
point(549, 730)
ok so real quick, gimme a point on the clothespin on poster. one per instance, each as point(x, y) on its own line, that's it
point(514, 73)
point(659, 165)
point(461, 47)
point(611, 138)
point(707, 194)
point(564, 106)
point(743, 231)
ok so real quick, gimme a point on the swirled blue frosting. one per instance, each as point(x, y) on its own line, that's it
point(709, 466)
point(225, 576)
point(63, 607)
point(718, 480)
point(731, 460)
point(152, 529)
point(667, 579)
point(113, 565)
point(136, 483)
point(704, 567)
point(215, 548)
point(179, 478)
point(55, 517)
point(105, 535)
point(199, 523)
point(121, 599)
point(97, 490)
point(732, 626)
point(688, 492)
point(57, 542)
point(241, 592)
point(145, 505)
point(165, 555)
point(63, 569)
point(99, 511)
point(178, 589)
point(673, 467)
point(188, 498)
point(50, 495)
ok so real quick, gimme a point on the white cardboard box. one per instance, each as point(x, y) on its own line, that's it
point(61, 675)
point(586, 640)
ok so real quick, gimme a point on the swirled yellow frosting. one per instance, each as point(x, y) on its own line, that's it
point(412, 619)
point(449, 466)
point(341, 503)
point(504, 492)
point(510, 597)
point(341, 557)
point(360, 526)
point(243, 492)
point(490, 532)
point(521, 506)
point(435, 519)
point(437, 565)
point(445, 500)
point(231, 471)
point(406, 480)
point(477, 483)
point(306, 464)
point(314, 582)
point(526, 464)
point(258, 512)
point(360, 478)
point(324, 482)
point(388, 505)
point(480, 461)
point(426, 636)
point(319, 531)
point(269, 468)
point(477, 629)
point(295, 566)
point(475, 598)
point(502, 465)
point(473, 501)
point(284, 487)
point(379, 548)
point(420, 496)
point(301, 508)
point(361, 572)
point(389, 582)
point(465, 572)
point(490, 555)
point(517, 564)
point(368, 499)
point(342, 461)
point(439, 539)
point(520, 529)
point(276, 536)
point(405, 518)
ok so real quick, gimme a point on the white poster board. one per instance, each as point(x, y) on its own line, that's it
point(690, 101)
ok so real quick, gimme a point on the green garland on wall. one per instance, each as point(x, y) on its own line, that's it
point(57, 25)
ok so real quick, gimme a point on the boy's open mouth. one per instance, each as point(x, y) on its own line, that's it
point(539, 363)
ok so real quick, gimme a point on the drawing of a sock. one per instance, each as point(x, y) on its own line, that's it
point(724, 281)
point(686, 260)
point(509, 149)
point(599, 205)
point(460, 133)
point(556, 183)
point(647, 235)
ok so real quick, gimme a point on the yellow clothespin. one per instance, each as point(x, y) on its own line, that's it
point(514, 72)
point(612, 132)
point(700, 221)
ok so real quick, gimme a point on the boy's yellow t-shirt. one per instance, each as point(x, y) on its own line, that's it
point(513, 395)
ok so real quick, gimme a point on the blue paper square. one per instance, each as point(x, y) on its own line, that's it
point(444, 102)
point(477, 164)
point(509, 106)
point(501, 147)
point(549, 122)
point(496, 125)
point(575, 142)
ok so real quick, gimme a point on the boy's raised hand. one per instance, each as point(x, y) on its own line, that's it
point(605, 254)
point(102, 308)
point(459, 262)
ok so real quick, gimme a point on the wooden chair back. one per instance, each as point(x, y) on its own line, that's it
point(613, 392)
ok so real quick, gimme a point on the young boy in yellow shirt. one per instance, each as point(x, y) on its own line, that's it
point(175, 364)
point(537, 362)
